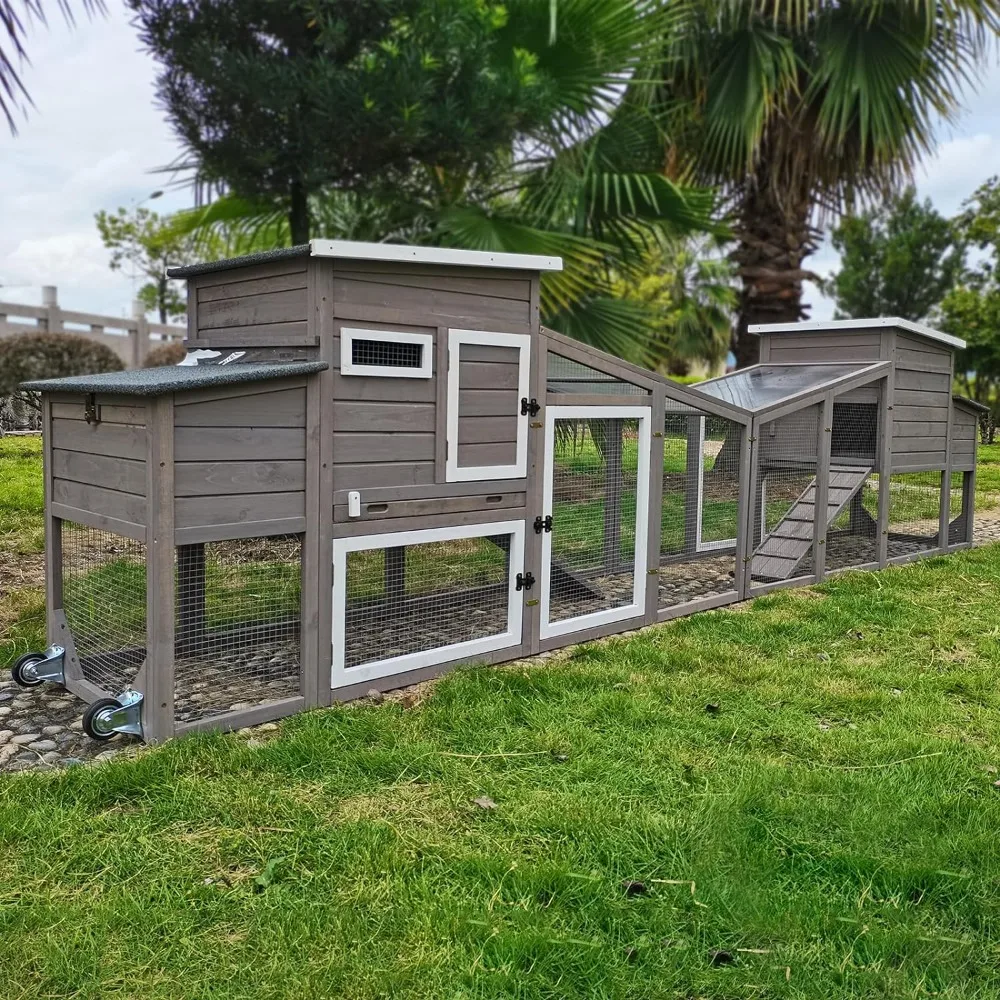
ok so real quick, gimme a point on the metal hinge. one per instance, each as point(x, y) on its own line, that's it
point(529, 406)
point(543, 523)
point(524, 581)
point(91, 411)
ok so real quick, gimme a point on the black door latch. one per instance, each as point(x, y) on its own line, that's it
point(531, 406)
point(543, 523)
point(524, 581)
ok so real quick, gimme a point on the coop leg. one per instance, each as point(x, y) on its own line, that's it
point(190, 596)
point(395, 574)
point(613, 485)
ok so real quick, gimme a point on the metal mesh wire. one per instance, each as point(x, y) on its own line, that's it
point(852, 500)
point(595, 465)
point(960, 506)
point(104, 600)
point(784, 504)
point(416, 598)
point(914, 512)
point(386, 354)
point(565, 375)
point(700, 508)
point(237, 627)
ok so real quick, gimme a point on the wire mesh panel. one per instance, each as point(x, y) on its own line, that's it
point(564, 375)
point(700, 507)
point(596, 492)
point(237, 626)
point(960, 507)
point(411, 599)
point(104, 600)
point(784, 505)
point(852, 492)
point(914, 512)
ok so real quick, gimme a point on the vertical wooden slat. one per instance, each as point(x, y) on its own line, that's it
point(53, 532)
point(158, 703)
point(651, 570)
point(441, 362)
point(884, 459)
point(747, 509)
point(822, 493)
point(691, 481)
point(312, 655)
point(945, 516)
point(536, 467)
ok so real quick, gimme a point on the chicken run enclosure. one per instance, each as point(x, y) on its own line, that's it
point(375, 464)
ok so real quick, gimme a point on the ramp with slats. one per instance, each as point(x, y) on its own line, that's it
point(789, 542)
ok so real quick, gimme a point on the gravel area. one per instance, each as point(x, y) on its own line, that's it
point(40, 728)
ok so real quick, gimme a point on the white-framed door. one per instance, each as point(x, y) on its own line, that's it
point(409, 599)
point(596, 492)
point(487, 424)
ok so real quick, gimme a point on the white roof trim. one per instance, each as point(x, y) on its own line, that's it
point(398, 252)
point(858, 324)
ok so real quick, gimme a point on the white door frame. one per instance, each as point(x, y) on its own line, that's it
point(455, 473)
point(341, 676)
point(548, 628)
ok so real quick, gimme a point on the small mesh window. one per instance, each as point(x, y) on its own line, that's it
point(386, 354)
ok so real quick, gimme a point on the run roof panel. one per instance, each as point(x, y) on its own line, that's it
point(765, 385)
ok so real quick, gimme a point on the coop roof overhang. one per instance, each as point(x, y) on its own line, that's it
point(764, 389)
point(828, 326)
point(400, 253)
point(970, 404)
point(174, 378)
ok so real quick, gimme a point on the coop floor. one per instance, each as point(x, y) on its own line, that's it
point(695, 580)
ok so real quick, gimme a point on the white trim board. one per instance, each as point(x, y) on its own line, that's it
point(567, 626)
point(341, 676)
point(401, 253)
point(455, 473)
point(348, 334)
point(818, 325)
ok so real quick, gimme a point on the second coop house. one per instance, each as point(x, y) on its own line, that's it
point(383, 466)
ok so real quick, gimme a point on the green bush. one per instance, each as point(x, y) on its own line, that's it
point(165, 354)
point(51, 355)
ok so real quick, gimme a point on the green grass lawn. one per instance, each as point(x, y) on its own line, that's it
point(805, 784)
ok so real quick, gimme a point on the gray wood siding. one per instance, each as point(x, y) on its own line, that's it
point(965, 434)
point(488, 405)
point(835, 345)
point(921, 403)
point(239, 462)
point(260, 306)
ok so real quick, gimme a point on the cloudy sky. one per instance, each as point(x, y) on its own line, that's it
point(94, 141)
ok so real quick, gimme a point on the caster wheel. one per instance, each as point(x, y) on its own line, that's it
point(95, 721)
point(21, 675)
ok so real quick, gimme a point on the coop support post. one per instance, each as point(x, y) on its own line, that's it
point(158, 696)
point(968, 506)
point(695, 447)
point(748, 516)
point(53, 532)
point(657, 439)
point(613, 486)
point(824, 439)
point(530, 622)
point(884, 472)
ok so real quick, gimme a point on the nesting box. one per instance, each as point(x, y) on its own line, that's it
point(383, 466)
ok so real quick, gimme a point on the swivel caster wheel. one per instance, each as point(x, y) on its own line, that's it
point(98, 719)
point(23, 672)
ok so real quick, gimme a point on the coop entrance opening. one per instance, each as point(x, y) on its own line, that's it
point(596, 491)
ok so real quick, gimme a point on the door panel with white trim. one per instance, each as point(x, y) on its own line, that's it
point(488, 377)
point(596, 492)
point(409, 599)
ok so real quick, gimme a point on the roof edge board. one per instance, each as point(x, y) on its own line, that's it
point(404, 253)
point(897, 322)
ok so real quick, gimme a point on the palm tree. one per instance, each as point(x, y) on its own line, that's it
point(15, 18)
point(582, 182)
point(795, 109)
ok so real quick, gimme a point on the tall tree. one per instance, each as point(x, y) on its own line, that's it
point(797, 108)
point(898, 259)
point(16, 18)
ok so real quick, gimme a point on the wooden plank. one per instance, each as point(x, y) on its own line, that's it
point(112, 503)
point(252, 286)
point(936, 430)
point(518, 289)
point(53, 531)
point(220, 478)
point(281, 408)
point(191, 512)
point(230, 392)
point(117, 440)
point(130, 529)
point(269, 269)
point(582, 399)
point(360, 477)
point(239, 529)
point(110, 414)
point(348, 529)
point(380, 417)
point(476, 375)
point(922, 381)
point(494, 453)
point(291, 334)
point(822, 490)
point(442, 403)
point(489, 354)
point(919, 457)
point(794, 354)
point(269, 444)
point(158, 704)
point(482, 430)
point(922, 361)
point(357, 449)
point(431, 490)
point(125, 475)
point(365, 388)
point(376, 511)
point(253, 310)
point(488, 403)
point(919, 397)
point(932, 414)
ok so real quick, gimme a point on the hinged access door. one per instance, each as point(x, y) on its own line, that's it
point(489, 406)
point(596, 492)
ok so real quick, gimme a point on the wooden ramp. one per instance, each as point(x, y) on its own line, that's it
point(781, 551)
